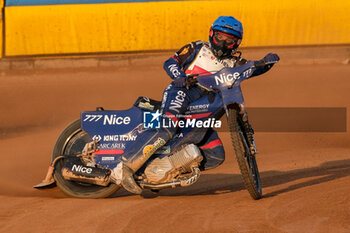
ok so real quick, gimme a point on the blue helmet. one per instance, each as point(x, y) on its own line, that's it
point(225, 36)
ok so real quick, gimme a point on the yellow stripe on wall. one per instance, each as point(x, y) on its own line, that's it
point(1, 27)
point(123, 27)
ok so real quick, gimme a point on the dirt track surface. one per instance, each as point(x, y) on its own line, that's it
point(305, 176)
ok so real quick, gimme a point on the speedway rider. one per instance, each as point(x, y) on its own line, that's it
point(225, 36)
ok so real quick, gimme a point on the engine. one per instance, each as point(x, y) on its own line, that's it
point(166, 169)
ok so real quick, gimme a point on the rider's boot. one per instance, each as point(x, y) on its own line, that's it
point(248, 129)
point(124, 176)
point(123, 173)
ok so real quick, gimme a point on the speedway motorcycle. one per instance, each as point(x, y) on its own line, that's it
point(91, 146)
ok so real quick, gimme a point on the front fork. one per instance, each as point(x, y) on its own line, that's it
point(247, 128)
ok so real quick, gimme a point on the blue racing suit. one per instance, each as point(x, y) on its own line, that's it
point(195, 58)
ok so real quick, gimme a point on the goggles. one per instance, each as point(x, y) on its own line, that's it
point(221, 38)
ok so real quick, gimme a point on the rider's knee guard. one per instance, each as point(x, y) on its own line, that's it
point(213, 153)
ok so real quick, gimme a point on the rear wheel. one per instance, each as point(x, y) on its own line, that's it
point(246, 161)
point(72, 141)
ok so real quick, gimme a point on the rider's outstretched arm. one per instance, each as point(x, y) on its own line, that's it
point(261, 70)
point(265, 64)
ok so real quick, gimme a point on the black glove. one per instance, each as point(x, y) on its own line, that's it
point(267, 62)
point(180, 81)
point(271, 58)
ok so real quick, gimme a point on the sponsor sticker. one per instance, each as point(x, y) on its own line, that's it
point(92, 117)
point(116, 120)
point(82, 169)
point(109, 146)
point(150, 149)
point(223, 78)
point(97, 137)
point(115, 138)
point(107, 158)
point(198, 108)
point(174, 70)
point(176, 104)
point(184, 51)
point(146, 105)
point(112, 119)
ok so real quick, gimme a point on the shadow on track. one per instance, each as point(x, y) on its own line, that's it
point(214, 184)
point(324, 173)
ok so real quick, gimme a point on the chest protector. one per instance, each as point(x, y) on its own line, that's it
point(206, 63)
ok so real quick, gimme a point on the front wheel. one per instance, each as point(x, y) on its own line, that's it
point(72, 141)
point(246, 161)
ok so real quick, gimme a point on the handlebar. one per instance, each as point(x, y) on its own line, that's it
point(262, 63)
point(191, 81)
point(192, 78)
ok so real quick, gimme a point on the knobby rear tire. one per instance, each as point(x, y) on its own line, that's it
point(246, 161)
point(72, 141)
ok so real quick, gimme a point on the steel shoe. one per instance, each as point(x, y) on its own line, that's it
point(123, 175)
